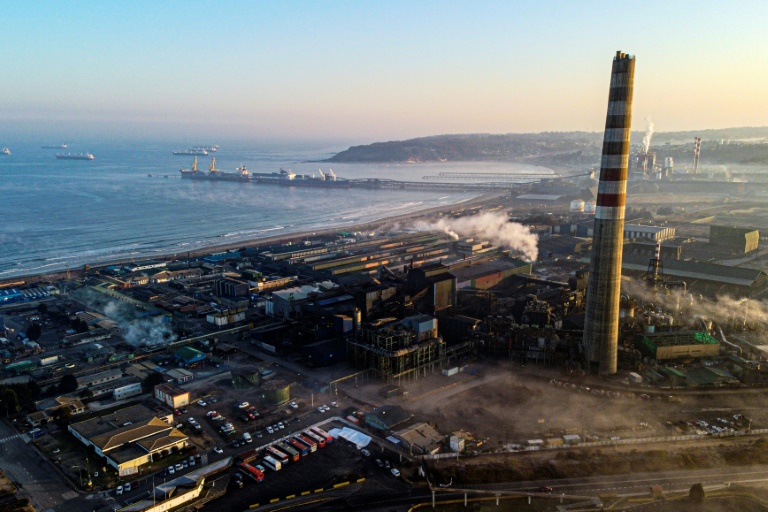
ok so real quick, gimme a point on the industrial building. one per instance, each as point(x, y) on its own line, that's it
point(664, 346)
point(398, 348)
point(738, 241)
point(129, 438)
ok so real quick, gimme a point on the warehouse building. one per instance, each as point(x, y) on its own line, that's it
point(129, 438)
point(677, 345)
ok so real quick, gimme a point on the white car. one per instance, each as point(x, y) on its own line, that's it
point(128, 487)
point(293, 405)
point(218, 450)
point(365, 452)
point(243, 405)
point(201, 403)
point(192, 421)
point(321, 408)
point(270, 430)
point(334, 404)
point(171, 470)
point(395, 473)
point(119, 490)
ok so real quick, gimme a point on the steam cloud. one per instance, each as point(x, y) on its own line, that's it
point(139, 332)
point(648, 133)
point(494, 227)
point(723, 309)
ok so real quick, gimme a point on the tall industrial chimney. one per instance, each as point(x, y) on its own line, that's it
point(601, 323)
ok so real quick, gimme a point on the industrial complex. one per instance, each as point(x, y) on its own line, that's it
point(152, 367)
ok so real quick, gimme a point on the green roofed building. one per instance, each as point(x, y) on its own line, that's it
point(677, 345)
point(189, 355)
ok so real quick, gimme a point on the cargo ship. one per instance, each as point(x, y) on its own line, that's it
point(290, 179)
point(215, 174)
point(74, 156)
point(191, 151)
point(210, 149)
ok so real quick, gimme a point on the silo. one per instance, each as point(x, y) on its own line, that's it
point(276, 392)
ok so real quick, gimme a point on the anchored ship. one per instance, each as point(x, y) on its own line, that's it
point(55, 146)
point(74, 156)
point(242, 174)
point(5, 151)
point(191, 151)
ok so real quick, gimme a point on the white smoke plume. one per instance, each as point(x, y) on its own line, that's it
point(648, 133)
point(139, 331)
point(493, 227)
point(722, 309)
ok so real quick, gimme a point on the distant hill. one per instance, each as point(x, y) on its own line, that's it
point(748, 145)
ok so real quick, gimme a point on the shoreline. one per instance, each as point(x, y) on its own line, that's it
point(79, 272)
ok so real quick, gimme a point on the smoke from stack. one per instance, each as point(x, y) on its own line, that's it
point(648, 133)
point(601, 321)
point(494, 227)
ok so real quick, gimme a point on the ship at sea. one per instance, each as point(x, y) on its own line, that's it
point(215, 174)
point(290, 179)
point(210, 149)
point(5, 151)
point(74, 156)
point(191, 151)
point(55, 146)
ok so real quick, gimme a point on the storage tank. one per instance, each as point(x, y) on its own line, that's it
point(577, 205)
point(590, 207)
point(276, 392)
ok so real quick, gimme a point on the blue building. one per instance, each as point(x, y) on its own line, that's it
point(11, 296)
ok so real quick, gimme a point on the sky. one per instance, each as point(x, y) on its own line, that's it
point(367, 71)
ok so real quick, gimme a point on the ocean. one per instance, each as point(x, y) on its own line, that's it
point(67, 213)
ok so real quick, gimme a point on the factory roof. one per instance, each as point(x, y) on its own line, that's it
point(539, 197)
point(488, 267)
point(668, 339)
point(697, 270)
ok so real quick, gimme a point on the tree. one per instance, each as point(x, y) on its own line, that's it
point(34, 331)
point(42, 308)
point(68, 383)
point(9, 400)
point(86, 393)
point(696, 494)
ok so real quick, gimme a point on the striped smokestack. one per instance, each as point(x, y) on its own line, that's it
point(601, 322)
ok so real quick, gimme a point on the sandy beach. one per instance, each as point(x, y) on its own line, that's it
point(410, 218)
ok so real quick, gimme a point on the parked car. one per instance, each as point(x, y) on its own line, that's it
point(171, 470)
point(293, 405)
point(211, 414)
point(192, 420)
point(201, 403)
point(365, 452)
point(218, 450)
point(269, 429)
point(236, 443)
point(379, 463)
point(213, 400)
point(334, 404)
point(395, 473)
point(179, 467)
point(242, 405)
point(119, 490)
point(127, 487)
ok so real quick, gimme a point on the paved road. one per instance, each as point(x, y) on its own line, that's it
point(39, 480)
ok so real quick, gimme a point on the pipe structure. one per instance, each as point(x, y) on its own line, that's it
point(601, 322)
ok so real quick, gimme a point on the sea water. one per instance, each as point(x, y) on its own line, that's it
point(67, 213)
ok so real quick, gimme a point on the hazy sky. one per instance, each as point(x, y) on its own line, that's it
point(375, 70)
